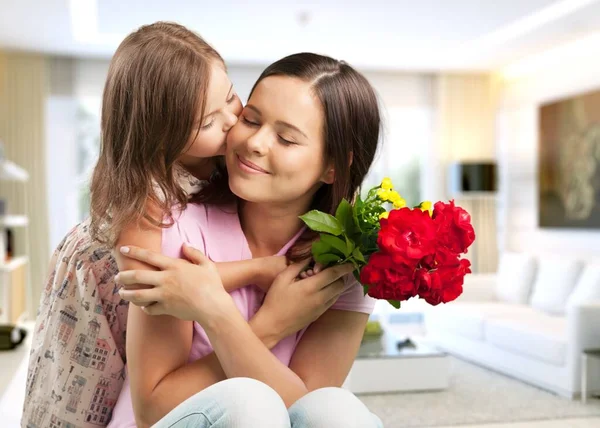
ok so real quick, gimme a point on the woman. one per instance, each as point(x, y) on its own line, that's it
point(305, 141)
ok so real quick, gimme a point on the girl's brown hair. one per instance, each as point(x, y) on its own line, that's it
point(156, 87)
point(351, 131)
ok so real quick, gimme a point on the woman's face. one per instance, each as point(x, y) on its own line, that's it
point(275, 153)
point(221, 112)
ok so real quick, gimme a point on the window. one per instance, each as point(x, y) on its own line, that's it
point(408, 133)
point(88, 147)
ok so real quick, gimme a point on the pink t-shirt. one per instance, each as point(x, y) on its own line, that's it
point(218, 234)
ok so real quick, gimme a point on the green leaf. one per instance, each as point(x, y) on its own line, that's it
point(322, 222)
point(394, 303)
point(359, 203)
point(345, 215)
point(336, 243)
point(350, 245)
point(327, 259)
point(365, 289)
point(356, 253)
point(320, 248)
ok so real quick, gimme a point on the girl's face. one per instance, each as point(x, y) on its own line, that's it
point(221, 112)
point(275, 153)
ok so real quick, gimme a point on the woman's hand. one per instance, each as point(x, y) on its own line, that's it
point(292, 304)
point(189, 290)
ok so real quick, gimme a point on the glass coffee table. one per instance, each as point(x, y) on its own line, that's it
point(382, 367)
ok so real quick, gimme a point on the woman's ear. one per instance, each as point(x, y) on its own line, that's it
point(329, 175)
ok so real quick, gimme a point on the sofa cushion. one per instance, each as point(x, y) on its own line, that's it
point(588, 285)
point(555, 280)
point(467, 319)
point(516, 273)
point(536, 335)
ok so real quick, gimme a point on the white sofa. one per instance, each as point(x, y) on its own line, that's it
point(530, 321)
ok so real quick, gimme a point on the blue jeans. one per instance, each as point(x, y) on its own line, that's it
point(248, 403)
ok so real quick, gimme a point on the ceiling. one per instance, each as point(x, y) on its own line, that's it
point(425, 35)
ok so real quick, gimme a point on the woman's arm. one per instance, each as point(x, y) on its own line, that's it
point(156, 346)
point(328, 348)
point(240, 348)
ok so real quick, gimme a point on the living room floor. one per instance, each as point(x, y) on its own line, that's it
point(562, 423)
point(11, 401)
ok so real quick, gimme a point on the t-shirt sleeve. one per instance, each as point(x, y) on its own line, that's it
point(354, 299)
point(188, 226)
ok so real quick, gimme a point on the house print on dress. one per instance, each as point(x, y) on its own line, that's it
point(38, 415)
point(56, 422)
point(100, 409)
point(66, 325)
point(100, 354)
point(86, 343)
point(74, 392)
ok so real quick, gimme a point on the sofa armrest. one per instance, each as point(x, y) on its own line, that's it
point(479, 287)
point(583, 326)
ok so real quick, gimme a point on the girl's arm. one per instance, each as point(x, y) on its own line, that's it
point(260, 271)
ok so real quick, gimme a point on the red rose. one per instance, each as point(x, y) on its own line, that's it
point(407, 235)
point(454, 229)
point(387, 279)
point(446, 282)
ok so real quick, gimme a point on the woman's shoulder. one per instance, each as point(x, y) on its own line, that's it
point(208, 215)
point(214, 230)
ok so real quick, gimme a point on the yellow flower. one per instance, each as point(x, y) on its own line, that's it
point(386, 184)
point(426, 206)
point(394, 196)
point(383, 194)
point(384, 215)
point(399, 203)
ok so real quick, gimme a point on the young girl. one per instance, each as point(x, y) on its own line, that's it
point(167, 107)
point(305, 141)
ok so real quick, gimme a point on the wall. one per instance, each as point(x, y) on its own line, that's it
point(517, 142)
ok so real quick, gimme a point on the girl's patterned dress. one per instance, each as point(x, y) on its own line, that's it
point(77, 361)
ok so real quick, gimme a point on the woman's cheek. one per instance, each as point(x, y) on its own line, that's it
point(235, 135)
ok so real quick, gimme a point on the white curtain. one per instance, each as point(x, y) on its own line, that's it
point(466, 108)
point(23, 93)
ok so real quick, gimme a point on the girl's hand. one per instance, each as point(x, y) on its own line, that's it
point(292, 303)
point(269, 268)
point(189, 290)
point(310, 272)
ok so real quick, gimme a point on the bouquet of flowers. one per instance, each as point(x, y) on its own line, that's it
point(398, 253)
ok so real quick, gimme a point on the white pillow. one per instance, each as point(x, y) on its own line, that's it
point(588, 286)
point(515, 277)
point(555, 281)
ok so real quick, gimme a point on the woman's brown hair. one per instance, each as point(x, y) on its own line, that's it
point(351, 132)
point(156, 87)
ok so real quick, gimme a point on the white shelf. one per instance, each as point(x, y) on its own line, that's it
point(13, 264)
point(11, 171)
point(13, 221)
